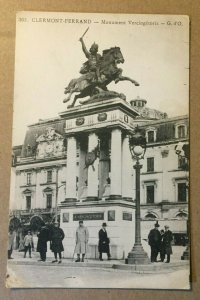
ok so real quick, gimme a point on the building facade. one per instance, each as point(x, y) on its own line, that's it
point(81, 164)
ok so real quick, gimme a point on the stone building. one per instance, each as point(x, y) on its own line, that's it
point(80, 162)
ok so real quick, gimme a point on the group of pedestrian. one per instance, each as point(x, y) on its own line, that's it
point(160, 242)
point(55, 235)
point(82, 237)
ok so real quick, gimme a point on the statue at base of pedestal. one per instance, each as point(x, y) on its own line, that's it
point(97, 72)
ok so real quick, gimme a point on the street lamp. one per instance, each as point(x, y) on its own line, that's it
point(137, 145)
point(57, 188)
point(182, 150)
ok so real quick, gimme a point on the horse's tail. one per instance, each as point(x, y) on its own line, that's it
point(79, 84)
point(71, 84)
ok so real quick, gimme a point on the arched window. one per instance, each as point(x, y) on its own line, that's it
point(150, 216)
point(182, 215)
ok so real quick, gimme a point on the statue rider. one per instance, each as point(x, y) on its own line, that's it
point(93, 63)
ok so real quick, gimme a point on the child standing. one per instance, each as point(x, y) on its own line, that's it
point(28, 244)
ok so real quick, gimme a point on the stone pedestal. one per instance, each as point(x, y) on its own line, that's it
point(100, 195)
point(186, 254)
point(120, 226)
point(137, 256)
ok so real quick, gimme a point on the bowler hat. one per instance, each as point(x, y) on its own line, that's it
point(104, 224)
point(166, 226)
point(80, 222)
point(156, 224)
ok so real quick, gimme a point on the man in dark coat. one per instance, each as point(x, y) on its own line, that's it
point(57, 235)
point(154, 239)
point(104, 242)
point(43, 237)
point(167, 240)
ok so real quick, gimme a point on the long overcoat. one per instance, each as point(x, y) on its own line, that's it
point(57, 235)
point(103, 241)
point(154, 238)
point(167, 240)
point(43, 238)
point(82, 237)
point(11, 237)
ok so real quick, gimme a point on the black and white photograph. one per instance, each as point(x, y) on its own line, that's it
point(99, 189)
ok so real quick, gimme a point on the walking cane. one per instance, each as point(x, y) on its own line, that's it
point(86, 252)
point(74, 253)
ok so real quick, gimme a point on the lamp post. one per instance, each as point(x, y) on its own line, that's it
point(57, 188)
point(137, 144)
point(182, 150)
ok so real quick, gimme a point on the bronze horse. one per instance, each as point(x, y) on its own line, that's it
point(87, 85)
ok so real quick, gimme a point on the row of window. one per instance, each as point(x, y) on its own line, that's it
point(48, 178)
point(181, 193)
point(181, 132)
point(48, 201)
point(150, 168)
point(150, 195)
point(182, 162)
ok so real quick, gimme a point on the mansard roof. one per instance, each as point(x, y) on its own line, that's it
point(17, 150)
point(36, 130)
point(165, 129)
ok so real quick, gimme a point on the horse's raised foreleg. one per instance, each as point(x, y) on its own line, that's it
point(122, 78)
point(119, 77)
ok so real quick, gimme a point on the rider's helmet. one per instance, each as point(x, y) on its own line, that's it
point(94, 47)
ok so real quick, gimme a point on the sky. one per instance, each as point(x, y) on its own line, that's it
point(48, 55)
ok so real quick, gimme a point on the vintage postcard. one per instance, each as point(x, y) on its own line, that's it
point(99, 194)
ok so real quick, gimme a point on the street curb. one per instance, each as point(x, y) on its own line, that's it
point(63, 264)
point(150, 268)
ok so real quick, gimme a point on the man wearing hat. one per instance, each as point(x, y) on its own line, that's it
point(104, 242)
point(82, 237)
point(43, 238)
point(167, 240)
point(57, 236)
point(154, 239)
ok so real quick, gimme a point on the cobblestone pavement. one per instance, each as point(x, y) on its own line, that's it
point(28, 272)
point(80, 277)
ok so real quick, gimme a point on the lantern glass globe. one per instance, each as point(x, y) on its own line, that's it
point(138, 150)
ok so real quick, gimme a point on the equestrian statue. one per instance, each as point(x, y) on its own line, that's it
point(96, 73)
